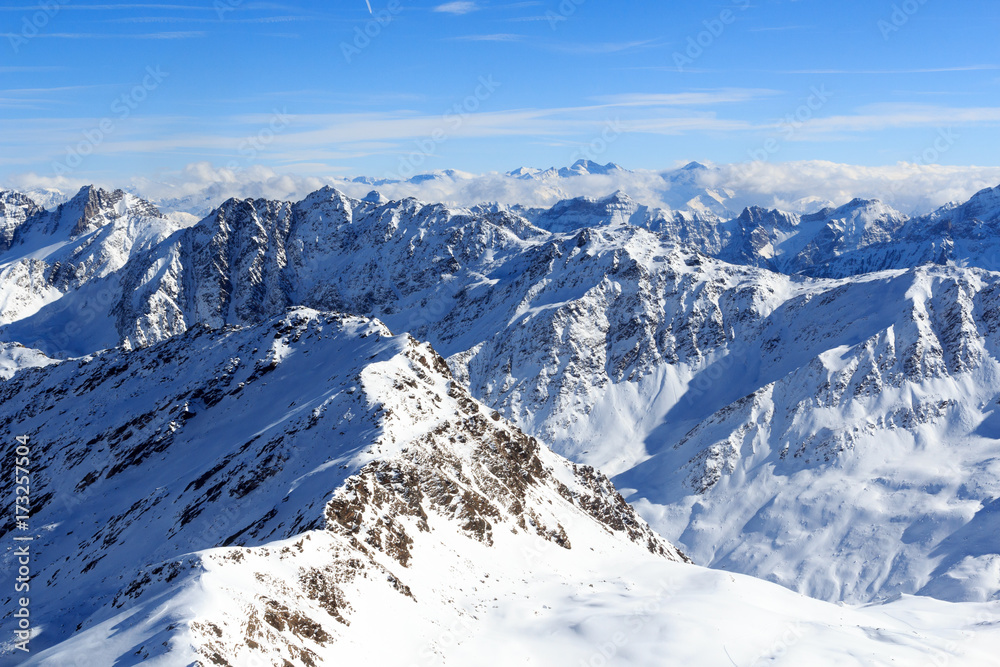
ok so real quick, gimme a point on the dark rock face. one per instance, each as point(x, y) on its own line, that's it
point(89, 210)
point(15, 209)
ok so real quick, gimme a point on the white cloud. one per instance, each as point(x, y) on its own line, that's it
point(800, 187)
point(881, 117)
point(599, 48)
point(115, 8)
point(341, 137)
point(893, 72)
point(498, 37)
point(456, 7)
point(806, 186)
point(90, 35)
point(702, 97)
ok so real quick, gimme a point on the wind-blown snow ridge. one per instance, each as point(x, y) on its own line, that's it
point(250, 448)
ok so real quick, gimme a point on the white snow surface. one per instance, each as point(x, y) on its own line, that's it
point(14, 357)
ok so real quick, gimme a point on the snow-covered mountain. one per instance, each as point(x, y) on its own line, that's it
point(15, 208)
point(680, 190)
point(311, 478)
point(58, 262)
point(842, 442)
point(965, 234)
point(685, 189)
point(14, 357)
point(582, 167)
point(48, 198)
point(310, 426)
point(574, 214)
point(792, 244)
point(807, 399)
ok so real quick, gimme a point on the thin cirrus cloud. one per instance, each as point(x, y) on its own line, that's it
point(603, 48)
point(707, 97)
point(831, 71)
point(781, 28)
point(75, 7)
point(191, 34)
point(17, 69)
point(306, 132)
point(188, 19)
point(669, 114)
point(884, 117)
point(52, 89)
point(457, 8)
point(891, 72)
point(498, 37)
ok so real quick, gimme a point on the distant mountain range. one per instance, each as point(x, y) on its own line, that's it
point(722, 191)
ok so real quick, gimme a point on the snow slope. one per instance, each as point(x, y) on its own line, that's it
point(315, 490)
point(14, 357)
point(307, 423)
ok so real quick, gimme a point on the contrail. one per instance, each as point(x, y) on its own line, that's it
point(368, 2)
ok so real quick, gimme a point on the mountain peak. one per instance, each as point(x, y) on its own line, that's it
point(15, 209)
point(326, 195)
point(617, 197)
point(92, 208)
point(984, 205)
point(523, 172)
point(327, 192)
point(861, 202)
point(88, 210)
point(376, 197)
point(584, 167)
point(449, 174)
point(570, 215)
point(754, 214)
point(417, 468)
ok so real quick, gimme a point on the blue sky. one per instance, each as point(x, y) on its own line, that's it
point(112, 90)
